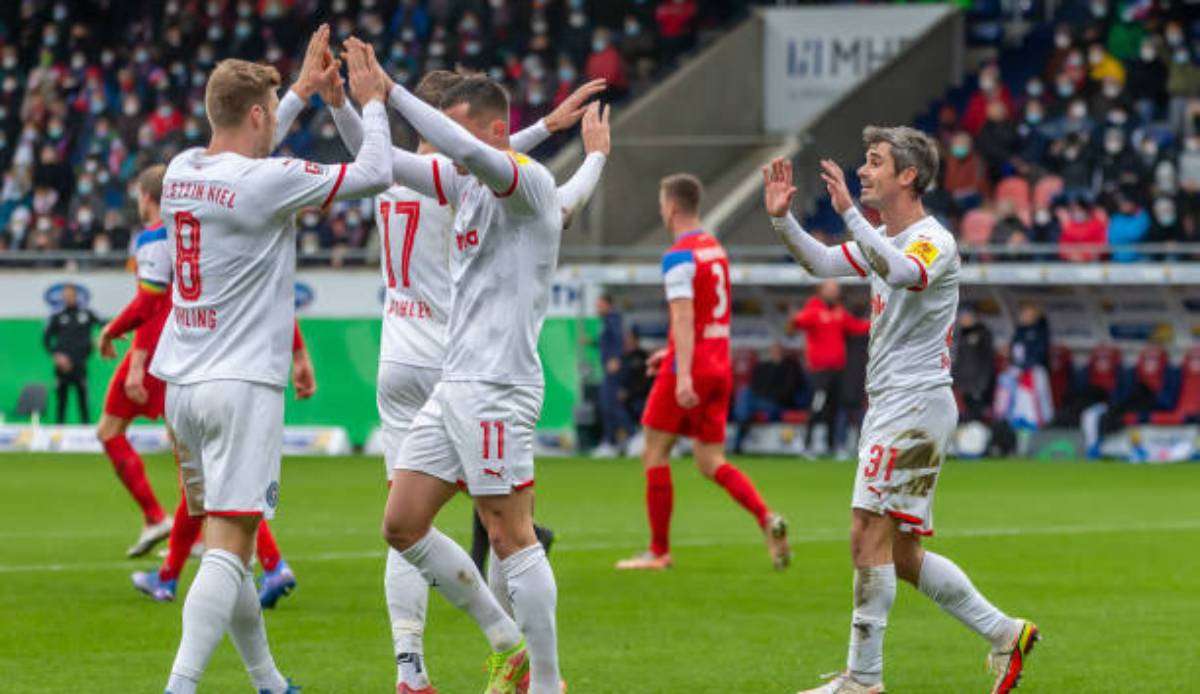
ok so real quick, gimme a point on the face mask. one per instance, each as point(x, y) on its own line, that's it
point(1033, 117)
point(78, 61)
point(468, 25)
point(1099, 9)
point(198, 109)
point(1192, 145)
point(1065, 89)
point(50, 39)
point(599, 45)
point(54, 131)
point(1147, 53)
point(85, 218)
point(474, 48)
point(1111, 89)
point(632, 29)
point(142, 55)
point(540, 26)
point(398, 51)
point(328, 132)
point(60, 12)
point(1075, 60)
point(1113, 146)
point(1034, 88)
point(1174, 38)
point(1181, 56)
point(107, 57)
point(987, 84)
point(10, 62)
point(577, 20)
point(1150, 150)
point(407, 35)
point(1041, 217)
point(166, 111)
point(960, 151)
point(1078, 112)
point(242, 30)
point(1164, 211)
point(191, 132)
point(536, 98)
point(1062, 41)
point(215, 34)
point(102, 178)
point(84, 187)
point(566, 75)
point(437, 49)
point(309, 220)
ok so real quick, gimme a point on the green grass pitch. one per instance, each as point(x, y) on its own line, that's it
point(1103, 556)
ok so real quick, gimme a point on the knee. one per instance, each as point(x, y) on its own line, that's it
point(866, 548)
point(908, 557)
point(401, 535)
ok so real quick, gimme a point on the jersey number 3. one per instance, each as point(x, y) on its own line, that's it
point(411, 211)
point(187, 255)
point(722, 307)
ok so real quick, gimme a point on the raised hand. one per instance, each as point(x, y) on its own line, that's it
point(330, 84)
point(365, 82)
point(778, 190)
point(835, 184)
point(596, 132)
point(314, 60)
point(568, 113)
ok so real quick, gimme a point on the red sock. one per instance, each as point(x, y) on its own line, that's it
point(179, 545)
point(660, 499)
point(268, 553)
point(132, 472)
point(742, 490)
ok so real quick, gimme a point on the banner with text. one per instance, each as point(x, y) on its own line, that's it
point(813, 55)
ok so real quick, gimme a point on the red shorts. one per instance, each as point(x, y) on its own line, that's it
point(704, 422)
point(118, 404)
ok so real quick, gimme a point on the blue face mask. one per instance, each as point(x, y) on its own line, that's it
point(960, 151)
point(1033, 117)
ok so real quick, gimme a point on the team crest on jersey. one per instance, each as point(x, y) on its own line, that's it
point(311, 167)
point(922, 249)
point(272, 495)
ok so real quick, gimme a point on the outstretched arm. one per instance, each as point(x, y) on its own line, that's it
point(897, 269)
point(596, 142)
point(815, 257)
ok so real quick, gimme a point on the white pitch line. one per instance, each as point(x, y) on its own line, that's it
point(831, 535)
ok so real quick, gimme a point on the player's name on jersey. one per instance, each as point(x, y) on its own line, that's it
point(200, 191)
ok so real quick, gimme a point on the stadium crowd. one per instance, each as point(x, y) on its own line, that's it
point(80, 114)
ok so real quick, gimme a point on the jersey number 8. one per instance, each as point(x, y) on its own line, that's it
point(187, 255)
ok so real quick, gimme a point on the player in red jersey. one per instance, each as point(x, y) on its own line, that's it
point(691, 392)
point(132, 392)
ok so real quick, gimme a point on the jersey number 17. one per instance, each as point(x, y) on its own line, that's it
point(411, 211)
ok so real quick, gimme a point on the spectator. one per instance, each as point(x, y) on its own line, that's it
point(1119, 165)
point(1103, 66)
point(617, 426)
point(68, 339)
point(605, 62)
point(1032, 142)
point(990, 89)
point(772, 388)
point(1183, 82)
point(826, 324)
point(1023, 396)
point(1045, 227)
point(1071, 160)
point(1084, 229)
point(1165, 219)
point(1008, 225)
point(676, 25)
point(998, 141)
point(965, 176)
point(1064, 43)
point(1129, 225)
point(635, 381)
point(1148, 81)
point(974, 365)
point(854, 382)
point(638, 49)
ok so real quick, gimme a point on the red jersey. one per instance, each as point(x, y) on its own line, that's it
point(825, 330)
point(696, 268)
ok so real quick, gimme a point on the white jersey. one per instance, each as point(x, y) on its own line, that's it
point(153, 256)
point(234, 253)
point(912, 327)
point(503, 255)
point(414, 233)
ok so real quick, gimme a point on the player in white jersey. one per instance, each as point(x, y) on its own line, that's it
point(226, 347)
point(477, 426)
point(913, 266)
point(414, 234)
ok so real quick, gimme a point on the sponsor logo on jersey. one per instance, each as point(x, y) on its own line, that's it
point(922, 249)
point(53, 296)
point(465, 241)
point(312, 167)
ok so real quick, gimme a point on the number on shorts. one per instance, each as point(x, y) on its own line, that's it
point(722, 307)
point(487, 439)
point(412, 212)
point(187, 255)
point(876, 460)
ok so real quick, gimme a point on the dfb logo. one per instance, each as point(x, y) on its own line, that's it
point(465, 241)
point(305, 295)
point(272, 494)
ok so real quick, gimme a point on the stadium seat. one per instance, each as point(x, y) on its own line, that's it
point(1061, 366)
point(794, 416)
point(1016, 190)
point(32, 401)
point(1045, 191)
point(1188, 407)
point(1103, 369)
point(744, 360)
point(1150, 370)
point(977, 227)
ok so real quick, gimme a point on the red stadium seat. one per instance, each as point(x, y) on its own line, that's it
point(1189, 393)
point(1043, 193)
point(744, 361)
point(1151, 367)
point(1104, 367)
point(977, 227)
point(1016, 190)
point(1061, 368)
point(794, 416)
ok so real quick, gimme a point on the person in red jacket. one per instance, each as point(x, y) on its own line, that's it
point(1084, 232)
point(826, 324)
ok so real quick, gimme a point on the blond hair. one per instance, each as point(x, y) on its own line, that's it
point(150, 181)
point(234, 87)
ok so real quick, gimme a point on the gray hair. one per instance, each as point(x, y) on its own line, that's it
point(911, 148)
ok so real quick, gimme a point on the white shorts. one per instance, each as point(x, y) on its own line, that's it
point(900, 453)
point(228, 438)
point(401, 391)
point(477, 434)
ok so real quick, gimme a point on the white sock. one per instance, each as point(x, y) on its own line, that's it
point(447, 567)
point(249, 635)
point(946, 584)
point(498, 582)
point(874, 593)
point(534, 597)
point(407, 599)
point(206, 614)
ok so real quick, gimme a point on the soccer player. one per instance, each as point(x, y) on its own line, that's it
point(913, 266)
point(690, 395)
point(477, 425)
point(415, 232)
point(225, 350)
point(132, 392)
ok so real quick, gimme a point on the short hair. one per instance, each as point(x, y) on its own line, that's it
point(150, 181)
point(911, 148)
point(234, 87)
point(685, 190)
point(480, 94)
point(433, 86)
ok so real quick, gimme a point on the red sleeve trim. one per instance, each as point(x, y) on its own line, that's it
point(336, 186)
point(850, 259)
point(437, 183)
point(297, 337)
point(516, 177)
point(920, 286)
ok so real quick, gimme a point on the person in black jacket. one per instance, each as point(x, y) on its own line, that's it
point(974, 365)
point(68, 339)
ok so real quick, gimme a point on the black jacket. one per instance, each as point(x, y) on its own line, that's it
point(975, 361)
point(70, 331)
